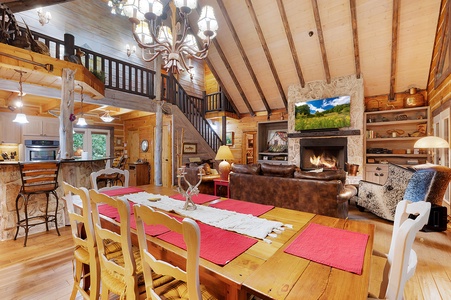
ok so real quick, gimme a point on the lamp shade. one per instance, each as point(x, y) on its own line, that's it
point(81, 122)
point(21, 118)
point(431, 142)
point(224, 153)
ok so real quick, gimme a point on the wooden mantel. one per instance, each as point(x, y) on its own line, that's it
point(324, 133)
point(14, 58)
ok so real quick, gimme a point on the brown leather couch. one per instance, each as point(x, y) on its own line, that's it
point(285, 186)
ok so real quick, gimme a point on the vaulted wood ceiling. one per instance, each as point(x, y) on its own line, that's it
point(264, 46)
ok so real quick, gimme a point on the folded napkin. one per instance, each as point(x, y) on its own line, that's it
point(338, 248)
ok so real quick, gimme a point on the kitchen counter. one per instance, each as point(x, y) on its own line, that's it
point(75, 172)
point(64, 161)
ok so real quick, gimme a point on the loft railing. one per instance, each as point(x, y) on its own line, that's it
point(116, 74)
point(217, 102)
point(173, 92)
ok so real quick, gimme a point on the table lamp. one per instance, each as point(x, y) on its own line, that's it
point(224, 167)
point(433, 142)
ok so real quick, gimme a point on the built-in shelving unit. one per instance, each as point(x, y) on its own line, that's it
point(390, 136)
point(265, 130)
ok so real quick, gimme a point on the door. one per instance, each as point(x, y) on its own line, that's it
point(133, 145)
point(249, 150)
point(442, 156)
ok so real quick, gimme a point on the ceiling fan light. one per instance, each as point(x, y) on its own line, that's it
point(21, 118)
point(81, 122)
point(106, 117)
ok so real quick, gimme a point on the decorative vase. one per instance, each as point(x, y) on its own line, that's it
point(414, 99)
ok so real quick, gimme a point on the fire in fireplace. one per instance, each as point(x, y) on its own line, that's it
point(326, 153)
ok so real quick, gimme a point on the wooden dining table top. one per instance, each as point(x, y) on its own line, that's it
point(266, 271)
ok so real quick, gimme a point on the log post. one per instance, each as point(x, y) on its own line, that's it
point(66, 109)
point(158, 152)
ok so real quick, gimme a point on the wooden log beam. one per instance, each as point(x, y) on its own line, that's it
point(394, 49)
point(355, 38)
point(321, 39)
point(266, 50)
point(293, 51)
point(243, 55)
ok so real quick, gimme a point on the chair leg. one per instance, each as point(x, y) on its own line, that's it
point(105, 293)
point(56, 213)
point(47, 212)
point(77, 278)
point(18, 215)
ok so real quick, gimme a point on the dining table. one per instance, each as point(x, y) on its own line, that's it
point(268, 268)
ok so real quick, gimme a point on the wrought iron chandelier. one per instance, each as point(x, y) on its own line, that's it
point(175, 44)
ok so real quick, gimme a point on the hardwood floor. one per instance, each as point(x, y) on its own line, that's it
point(43, 269)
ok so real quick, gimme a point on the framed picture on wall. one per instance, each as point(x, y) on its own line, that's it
point(229, 138)
point(189, 148)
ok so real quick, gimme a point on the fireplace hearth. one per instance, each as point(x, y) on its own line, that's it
point(326, 153)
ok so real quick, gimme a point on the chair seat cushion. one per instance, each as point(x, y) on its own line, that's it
point(178, 289)
point(81, 254)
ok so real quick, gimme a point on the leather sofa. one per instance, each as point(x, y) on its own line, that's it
point(287, 186)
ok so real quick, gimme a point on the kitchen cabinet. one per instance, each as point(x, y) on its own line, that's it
point(390, 136)
point(139, 173)
point(10, 132)
point(43, 127)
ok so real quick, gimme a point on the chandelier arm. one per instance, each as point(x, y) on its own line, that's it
point(152, 57)
point(180, 42)
point(198, 54)
point(147, 46)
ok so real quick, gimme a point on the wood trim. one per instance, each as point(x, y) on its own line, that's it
point(243, 54)
point(321, 39)
point(324, 133)
point(440, 73)
point(355, 37)
point(266, 50)
point(394, 49)
point(293, 51)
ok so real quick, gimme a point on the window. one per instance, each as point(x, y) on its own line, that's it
point(94, 141)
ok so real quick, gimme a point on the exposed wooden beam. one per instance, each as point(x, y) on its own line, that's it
point(243, 54)
point(49, 104)
point(233, 76)
point(266, 50)
point(22, 5)
point(86, 108)
point(394, 49)
point(355, 38)
point(293, 51)
point(321, 39)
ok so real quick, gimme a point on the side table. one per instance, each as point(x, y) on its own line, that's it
point(220, 182)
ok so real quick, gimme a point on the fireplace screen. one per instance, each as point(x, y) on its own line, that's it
point(326, 153)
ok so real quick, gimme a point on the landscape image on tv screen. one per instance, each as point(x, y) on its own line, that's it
point(324, 113)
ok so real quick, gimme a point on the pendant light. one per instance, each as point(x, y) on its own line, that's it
point(20, 117)
point(106, 117)
point(81, 121)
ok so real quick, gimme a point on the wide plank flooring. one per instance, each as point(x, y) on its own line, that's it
point(43, 269)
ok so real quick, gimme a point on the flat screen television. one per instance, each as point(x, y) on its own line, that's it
point(319, 114)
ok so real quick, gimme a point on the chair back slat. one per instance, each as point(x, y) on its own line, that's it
point(191, 235)
point(109, 173)
point(39, 176)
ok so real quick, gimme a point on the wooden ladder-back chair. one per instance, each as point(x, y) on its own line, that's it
point(37, 178)
point(186, 284)
point(110, 177)
point(121, 270)
point(85, 253)
point(402, 260)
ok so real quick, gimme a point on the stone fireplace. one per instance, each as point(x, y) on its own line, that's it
point(326, 153)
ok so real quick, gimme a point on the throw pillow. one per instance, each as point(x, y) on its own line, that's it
point(278, 170)
point(254, 169)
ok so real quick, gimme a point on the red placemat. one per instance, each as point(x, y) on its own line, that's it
point(243, 207)
point(122, 191)
point(108, 211)
point(216, 245)
point(152, 230)
point(338, 248)
point(198, 199)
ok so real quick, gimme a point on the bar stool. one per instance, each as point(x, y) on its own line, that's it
point(37, 178)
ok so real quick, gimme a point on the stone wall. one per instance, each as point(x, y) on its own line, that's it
point(75, 173)
point(341, 86)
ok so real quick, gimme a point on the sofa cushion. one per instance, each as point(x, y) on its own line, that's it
point(278, 170)
point(254, 169)
point(325, 175)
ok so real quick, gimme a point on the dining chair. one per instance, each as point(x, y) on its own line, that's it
point(37, 178)
point(121, 268)
point(110, 177)
point(401, 260)
point(85, 252)
point(186, 284)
